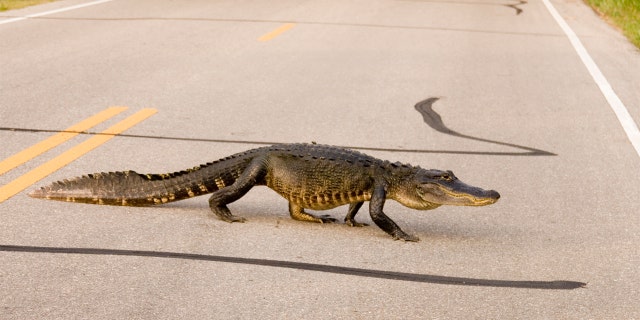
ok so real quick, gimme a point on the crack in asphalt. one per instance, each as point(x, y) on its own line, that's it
point(369, 273)
point(532, 151)
point(514, 6)
point(433, 120)
point(301, 22)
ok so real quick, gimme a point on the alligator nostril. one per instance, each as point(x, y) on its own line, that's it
point(494, 194)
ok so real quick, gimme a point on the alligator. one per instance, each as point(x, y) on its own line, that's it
point(309, 176)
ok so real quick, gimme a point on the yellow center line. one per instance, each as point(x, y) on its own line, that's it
point(276, 32)
point(12, 188)
point(57, 139)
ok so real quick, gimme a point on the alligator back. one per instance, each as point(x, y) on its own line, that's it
point(321, 177)
point(129, 188)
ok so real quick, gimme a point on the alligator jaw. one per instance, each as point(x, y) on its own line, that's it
point(457, 193)
point(470, 196)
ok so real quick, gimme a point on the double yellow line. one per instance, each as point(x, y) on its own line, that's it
point(12, 188)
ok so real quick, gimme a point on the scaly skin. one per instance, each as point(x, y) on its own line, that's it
point(309, 176)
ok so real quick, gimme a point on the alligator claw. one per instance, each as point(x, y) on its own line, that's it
point(224, 214)
point(353, 223)
point(232, 219)
point(401, 235)
point(238, 219)
point(326, 219)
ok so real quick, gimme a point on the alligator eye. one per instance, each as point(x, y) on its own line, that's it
point(446, 177)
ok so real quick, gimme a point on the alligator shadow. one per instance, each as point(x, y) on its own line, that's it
point(360, 272)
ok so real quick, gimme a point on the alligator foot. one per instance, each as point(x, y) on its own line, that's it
point(353, 223)
point(401, 235)
point(224, 214)
point(325, 218)
point(298, 213)
point(351, 214)
point(234, 219)
point(303, 216)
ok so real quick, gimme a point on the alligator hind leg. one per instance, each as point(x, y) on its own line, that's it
point(297, 213)
point(351, 214)
point(219, 199)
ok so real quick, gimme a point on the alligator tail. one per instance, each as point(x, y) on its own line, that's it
point(129, 188)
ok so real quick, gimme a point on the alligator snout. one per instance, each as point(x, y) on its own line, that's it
point(489, 197)
point(493, 194)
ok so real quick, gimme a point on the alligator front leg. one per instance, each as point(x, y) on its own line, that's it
point(298, 213)
point(381, 220)
point(351, 214)
point(219, 199)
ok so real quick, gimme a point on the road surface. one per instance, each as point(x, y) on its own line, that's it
point(508, 102)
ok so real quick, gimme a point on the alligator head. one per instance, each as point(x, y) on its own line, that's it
point(429, 189)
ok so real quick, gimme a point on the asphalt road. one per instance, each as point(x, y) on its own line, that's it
point(508, 105)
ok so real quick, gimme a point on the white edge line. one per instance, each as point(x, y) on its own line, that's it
point(627, 122)
point(35, 15)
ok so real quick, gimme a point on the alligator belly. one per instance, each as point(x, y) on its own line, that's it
point(326, 200)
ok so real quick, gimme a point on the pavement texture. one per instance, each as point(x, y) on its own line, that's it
point(508, 106)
